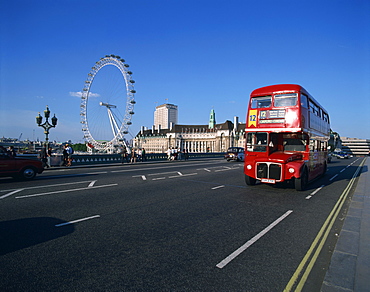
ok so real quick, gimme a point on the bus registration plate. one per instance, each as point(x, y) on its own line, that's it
point(268, 180)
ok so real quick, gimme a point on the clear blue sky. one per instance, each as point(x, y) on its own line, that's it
point(198, 54)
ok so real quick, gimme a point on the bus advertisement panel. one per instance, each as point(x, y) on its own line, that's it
point(287, 133)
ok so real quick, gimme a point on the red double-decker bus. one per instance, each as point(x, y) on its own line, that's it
point(287, 133)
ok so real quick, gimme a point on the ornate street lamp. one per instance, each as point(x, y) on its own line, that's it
point(47, 126)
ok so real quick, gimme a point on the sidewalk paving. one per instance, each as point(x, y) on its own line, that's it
point(349, 268)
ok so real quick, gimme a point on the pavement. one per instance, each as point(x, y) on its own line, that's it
point(349, 268)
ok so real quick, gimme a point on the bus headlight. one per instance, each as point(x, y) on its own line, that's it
point(249, 167)
point(291, 170)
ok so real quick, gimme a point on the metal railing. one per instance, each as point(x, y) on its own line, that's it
point(90, 159)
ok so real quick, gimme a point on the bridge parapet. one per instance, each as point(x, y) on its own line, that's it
point(90, 159)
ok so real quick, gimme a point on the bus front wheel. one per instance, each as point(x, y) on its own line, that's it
point(301, 183)
point(250, 181)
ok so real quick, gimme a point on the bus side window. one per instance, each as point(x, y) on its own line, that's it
point(314, 109)
point(312, 145)
point(325, 117)
point(324, 145)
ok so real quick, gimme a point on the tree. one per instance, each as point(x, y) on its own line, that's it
point(79, 147)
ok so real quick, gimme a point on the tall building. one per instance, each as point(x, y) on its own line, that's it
point(165, 116)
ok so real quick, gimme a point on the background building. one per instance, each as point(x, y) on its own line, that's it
point(354, 146)
point(194, 138)
point(165, 116)
point(210, 137)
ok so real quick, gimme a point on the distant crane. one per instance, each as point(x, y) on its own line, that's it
point(20, 136)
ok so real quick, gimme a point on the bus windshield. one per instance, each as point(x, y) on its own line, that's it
point(282, 100)
point(261, 101)
point(257, 142)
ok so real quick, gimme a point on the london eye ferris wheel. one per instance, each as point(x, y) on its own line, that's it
point(107, 104)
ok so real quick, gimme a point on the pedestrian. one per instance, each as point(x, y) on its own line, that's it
point(169, 153)
point(48, 154)
point(65, 156)
point(173, 153)
point(179, 154)
point(139, 153)
point(133, 155)
point(11, 150)
point(44, 157)
point(186, 154)
point(176, 153)
point(124, 155)
point(70, 151)
point(143, 157)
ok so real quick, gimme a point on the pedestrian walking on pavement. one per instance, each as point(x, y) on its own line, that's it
point(133, 155)
point(169, 153)
point(124, 155)
point(143, 157)
point(139, 153)
point(186, 154)
point(65, 156)
point(48, 154)
point(70, 151)
point(44, 157)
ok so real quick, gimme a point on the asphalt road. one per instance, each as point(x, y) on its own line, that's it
point(175, 226)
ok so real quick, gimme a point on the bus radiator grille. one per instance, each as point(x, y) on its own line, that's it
point(269, 170)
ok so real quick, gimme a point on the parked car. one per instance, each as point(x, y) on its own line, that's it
point(18, 167)
point(235, 153)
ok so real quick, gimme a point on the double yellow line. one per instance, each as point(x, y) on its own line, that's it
point(320, 239)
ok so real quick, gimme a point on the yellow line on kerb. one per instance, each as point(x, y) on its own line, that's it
point(322, 235)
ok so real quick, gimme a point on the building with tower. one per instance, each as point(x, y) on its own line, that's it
point(195, 138)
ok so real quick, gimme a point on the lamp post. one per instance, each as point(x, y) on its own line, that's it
point(47, 126)
point(237, 139)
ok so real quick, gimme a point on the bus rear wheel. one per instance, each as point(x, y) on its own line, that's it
point(301, 183)
point(250, 181)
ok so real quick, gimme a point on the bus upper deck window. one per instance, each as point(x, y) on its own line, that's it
point(261, 101)
point(282, 100)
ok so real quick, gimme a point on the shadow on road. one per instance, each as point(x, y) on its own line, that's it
point(22, 233)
